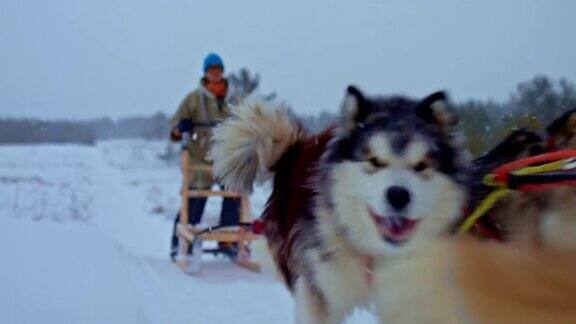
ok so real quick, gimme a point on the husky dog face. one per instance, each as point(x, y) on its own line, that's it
point(392, 171)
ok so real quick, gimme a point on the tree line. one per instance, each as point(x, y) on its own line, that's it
point(29, 130)
point(533, 104)
point(88, 132)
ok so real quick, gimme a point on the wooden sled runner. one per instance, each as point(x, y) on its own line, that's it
point(188, 234)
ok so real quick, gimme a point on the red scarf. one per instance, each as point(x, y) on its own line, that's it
point(218, 89)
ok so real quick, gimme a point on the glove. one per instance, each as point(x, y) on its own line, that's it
point(175, 135)
point(185, 125)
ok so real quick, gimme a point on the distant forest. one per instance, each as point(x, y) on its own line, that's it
point(156, 126)
point(88, 132)
point(22, 131)
point(534, 104)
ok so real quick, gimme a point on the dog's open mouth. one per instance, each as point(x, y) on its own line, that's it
point(394, 229)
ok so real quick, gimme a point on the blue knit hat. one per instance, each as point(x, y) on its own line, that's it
point(213, 59)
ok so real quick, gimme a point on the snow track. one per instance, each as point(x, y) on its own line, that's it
point(112, 266)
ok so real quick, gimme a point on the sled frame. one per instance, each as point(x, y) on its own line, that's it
point(186, 232)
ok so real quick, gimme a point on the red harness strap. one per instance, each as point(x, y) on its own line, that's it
point(502, 173)
point(258, 226)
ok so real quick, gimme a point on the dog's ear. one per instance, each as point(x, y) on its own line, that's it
point(435, 109)
point(519, 143)
point(561, 131)
point(355, 108)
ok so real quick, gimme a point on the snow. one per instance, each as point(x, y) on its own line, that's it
point(86, 239)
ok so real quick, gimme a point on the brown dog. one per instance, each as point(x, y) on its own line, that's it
point(533, 218)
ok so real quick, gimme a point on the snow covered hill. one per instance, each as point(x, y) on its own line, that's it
point(85, 240)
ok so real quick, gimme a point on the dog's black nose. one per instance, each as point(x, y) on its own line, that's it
point(398, 197)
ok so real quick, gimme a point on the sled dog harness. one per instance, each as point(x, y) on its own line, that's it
point(535, 173)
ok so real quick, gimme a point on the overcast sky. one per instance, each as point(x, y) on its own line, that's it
point(80, 59)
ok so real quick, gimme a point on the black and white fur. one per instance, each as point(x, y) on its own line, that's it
point(390, 179)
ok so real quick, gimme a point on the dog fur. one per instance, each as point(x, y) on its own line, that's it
point(528, 280)
point(388, 179)
point(462, 281)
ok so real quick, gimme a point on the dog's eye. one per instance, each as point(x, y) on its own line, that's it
point(421, 166)
point(377, 163)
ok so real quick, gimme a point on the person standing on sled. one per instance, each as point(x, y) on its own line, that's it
point(201, 110)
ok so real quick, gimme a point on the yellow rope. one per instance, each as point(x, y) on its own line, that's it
point(485, 206)
point(552, 166)
point(490, 182)
point(503, 190)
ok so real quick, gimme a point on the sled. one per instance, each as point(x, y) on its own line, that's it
point(191, 236)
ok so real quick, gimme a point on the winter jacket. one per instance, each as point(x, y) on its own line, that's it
point(204, 110)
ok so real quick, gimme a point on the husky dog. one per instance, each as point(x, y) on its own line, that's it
point(543, 218)
point(346, 203)
point(558, 223)
point(518, 144)
point(529, 279)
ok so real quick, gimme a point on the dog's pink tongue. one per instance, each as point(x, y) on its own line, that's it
point(398, 226)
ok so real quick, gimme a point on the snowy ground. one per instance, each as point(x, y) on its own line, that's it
point(85, 240)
